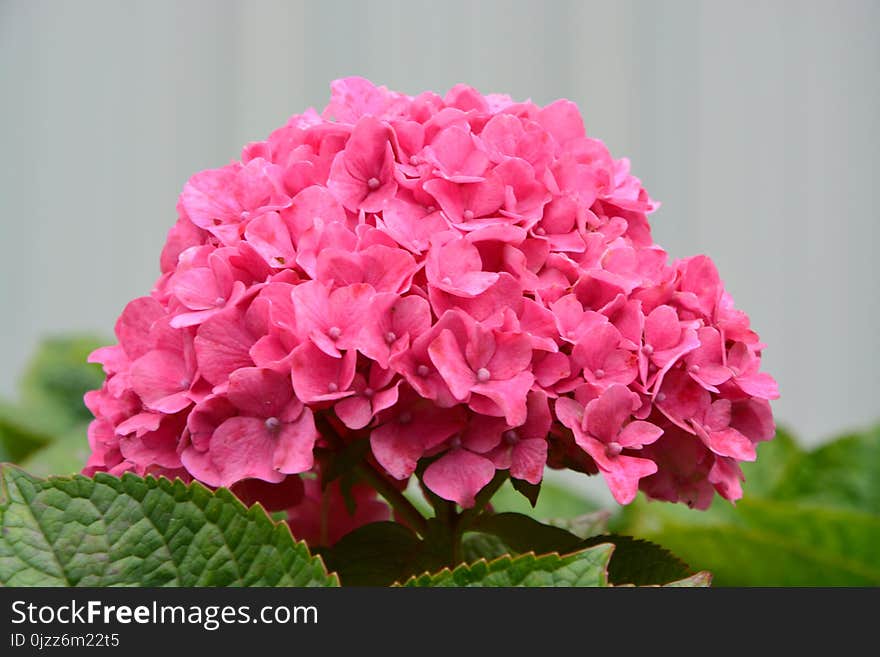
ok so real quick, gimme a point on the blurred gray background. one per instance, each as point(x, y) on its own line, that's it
point(757, 124)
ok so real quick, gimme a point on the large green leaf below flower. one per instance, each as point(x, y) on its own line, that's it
point(107, 531)
point(588, 567)
point(382, 553)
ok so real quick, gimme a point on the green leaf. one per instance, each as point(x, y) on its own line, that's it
point(806, 519)
point(844, 473)
point(381, 553)
point(640, 562)
point(527, 490)
point(767, 543)
point(522, 533)
point(65, 456)
point(776, 459)
point(108, 531)
point(584, 568)
point(634, 561)
point(585, 526)
point(58, 375)
point(375, 554)
point(697, 580)
point(52, 390)
point(478, 545)
point(20, 434)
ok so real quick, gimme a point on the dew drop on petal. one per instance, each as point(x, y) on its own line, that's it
point(273, 424)
point(483, 375)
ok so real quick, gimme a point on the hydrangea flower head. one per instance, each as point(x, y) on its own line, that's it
point(461, 281)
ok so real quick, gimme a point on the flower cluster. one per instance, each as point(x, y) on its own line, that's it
point(465, 282)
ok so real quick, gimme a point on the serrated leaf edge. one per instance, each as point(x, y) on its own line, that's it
point(255, 512)
point(510, 560)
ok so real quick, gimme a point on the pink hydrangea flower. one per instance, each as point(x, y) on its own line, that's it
point(465, 282)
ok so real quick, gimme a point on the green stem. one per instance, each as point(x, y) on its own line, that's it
point(402, 506)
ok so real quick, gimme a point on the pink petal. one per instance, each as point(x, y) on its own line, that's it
point(754, 418)
point(605, 416)
point(513, 354)
point(760, 385)
point(455, 155)
point(134, 324)
point(241, 448)
point(140, 424)
point(729, 442)
point(718, 415)
point(388, 270)
point(483, 433)
point(355, 412)
point(509, 395)
point(319, 377)
point(365, 149)
point(397, 448)
point(570, 413)
point(207, 197)
point(268, 234)
point(562, 119)
point(727, 477)
point(446, 355)
point(459, 475)
point(259, 392)
point(312, 203)
point(528, 460)
point(222, 346)
point(639, 433)
point(551, 368)
point(456, 268)
point(506, 292)
point(624, 474)
point(295, 441)
point(159, 377)
point(347, 189)
point(662, 328)
point(410, 225)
